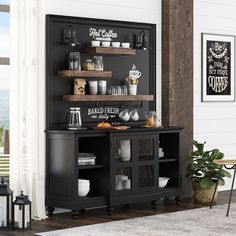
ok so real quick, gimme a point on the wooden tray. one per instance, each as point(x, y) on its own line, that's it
point(121, 127)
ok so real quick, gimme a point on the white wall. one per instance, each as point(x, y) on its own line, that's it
point(148, 11)
point(213, 122)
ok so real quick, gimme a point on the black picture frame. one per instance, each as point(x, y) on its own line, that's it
point(218, 62)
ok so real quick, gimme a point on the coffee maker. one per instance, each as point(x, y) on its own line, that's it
point(73, 118)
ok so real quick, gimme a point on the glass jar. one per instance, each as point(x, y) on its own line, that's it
point(98, 63)
point(88, 64)
point(74, 61)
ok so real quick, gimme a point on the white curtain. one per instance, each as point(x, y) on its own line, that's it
point(27, 99)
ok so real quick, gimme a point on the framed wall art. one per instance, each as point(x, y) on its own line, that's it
point(218, 60)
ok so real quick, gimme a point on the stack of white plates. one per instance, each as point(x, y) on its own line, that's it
point(83, 187)
point(86, 159)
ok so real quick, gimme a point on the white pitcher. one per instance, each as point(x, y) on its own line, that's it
point(125, 150)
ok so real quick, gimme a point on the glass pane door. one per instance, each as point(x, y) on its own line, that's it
point(146, 176)
point(146, 150)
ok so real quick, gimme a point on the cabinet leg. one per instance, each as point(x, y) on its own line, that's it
point(178, 200)
point(110, 210)
point(75, 214)
point(50, 210)
point(154, 204)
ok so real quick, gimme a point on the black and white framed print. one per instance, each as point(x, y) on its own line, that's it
point(218, 68)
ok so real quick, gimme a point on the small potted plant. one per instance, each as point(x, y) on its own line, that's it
point(203, 172)
point(133, 82)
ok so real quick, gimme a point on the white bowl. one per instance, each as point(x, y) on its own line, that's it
point(125, 45)
point(163, 181)
point(115, 44)
point(83, 191)
point(83, 181)
point(95, 43)
point(106, 44)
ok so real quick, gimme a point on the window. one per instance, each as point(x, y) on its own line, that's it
point(4, 87)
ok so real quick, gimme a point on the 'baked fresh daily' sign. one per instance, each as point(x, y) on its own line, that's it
point(103, 113)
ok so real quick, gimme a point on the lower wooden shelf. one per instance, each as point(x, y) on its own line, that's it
point(86, 98)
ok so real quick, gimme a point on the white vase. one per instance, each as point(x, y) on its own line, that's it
point(125, 150)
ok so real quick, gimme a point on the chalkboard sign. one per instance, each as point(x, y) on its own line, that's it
point(217, 67)
point(117, 61)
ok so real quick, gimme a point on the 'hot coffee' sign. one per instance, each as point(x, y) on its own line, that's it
point(102, 34)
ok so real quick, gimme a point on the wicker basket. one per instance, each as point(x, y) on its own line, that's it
point(201, 195)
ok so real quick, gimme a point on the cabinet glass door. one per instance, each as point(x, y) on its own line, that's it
point(146, 150)
point(146, 159)
point(146, 176)
point(123, 153)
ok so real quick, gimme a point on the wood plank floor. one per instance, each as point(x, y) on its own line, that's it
point(94, 216)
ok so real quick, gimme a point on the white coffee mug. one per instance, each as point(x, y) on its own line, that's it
point(93, 87)
point(133, 115)
point(102, 87)
point(127, 184)
point(124, 115)
point(119, 185)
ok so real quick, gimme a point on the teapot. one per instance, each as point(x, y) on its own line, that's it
point(125, 150)
point(151, 119)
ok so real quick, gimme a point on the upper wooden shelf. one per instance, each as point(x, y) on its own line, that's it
point(84, 73)
point(107, 98)
point(110, 51)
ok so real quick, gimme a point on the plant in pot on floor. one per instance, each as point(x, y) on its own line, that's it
point(203, 172)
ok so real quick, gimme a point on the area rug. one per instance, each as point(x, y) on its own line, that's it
point(196, 222)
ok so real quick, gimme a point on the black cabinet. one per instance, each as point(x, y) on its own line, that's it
point(63, 170)
point(127, 169)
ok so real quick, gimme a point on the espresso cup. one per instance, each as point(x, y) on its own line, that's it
point(133, 115)
point(93, 87)
point(124, 115)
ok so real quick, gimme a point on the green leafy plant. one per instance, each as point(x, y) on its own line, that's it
point(202, 167)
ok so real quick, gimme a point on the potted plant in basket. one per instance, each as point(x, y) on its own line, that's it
point(203, 172)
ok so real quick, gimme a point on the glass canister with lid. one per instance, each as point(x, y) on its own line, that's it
point(88, 65)
point(98, 63)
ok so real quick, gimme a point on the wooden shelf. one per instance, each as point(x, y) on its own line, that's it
point(84, 73)
point(110, 51)
point(86, 167)
point(167, 160)
point(107, 98)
